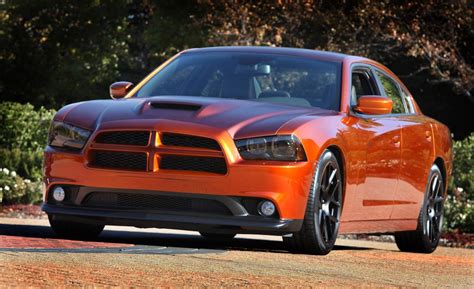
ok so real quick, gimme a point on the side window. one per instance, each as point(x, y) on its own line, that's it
point(408, 102)
point(393, 92)
point(362, 84)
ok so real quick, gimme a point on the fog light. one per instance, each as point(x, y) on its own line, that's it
point(59, 194)
point(266, 208)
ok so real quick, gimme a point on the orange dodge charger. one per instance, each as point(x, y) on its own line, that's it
point(299, 143)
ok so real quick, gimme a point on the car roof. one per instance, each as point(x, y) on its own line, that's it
point(310, 53)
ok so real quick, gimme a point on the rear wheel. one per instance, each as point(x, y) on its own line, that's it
point(217, 237)
point(425, 238)
point(75, 230)
point(323, 211)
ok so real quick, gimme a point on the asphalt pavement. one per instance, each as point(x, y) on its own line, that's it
point(31, 255)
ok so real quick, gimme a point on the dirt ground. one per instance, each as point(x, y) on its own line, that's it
point(30, 255)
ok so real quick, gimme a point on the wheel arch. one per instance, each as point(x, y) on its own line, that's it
point(338, 153)
point(442, 167)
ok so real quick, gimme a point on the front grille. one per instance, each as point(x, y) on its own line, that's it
point(119, 160)
point(191, 163)
point(101, 157)
point(173, 139)
point(134, 138)
point(155, 202)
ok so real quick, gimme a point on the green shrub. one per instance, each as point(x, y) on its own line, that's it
point(23, 137)
point(463, 169)
point(459, 208)
point(23, 126)
point(27, 164)
point(14, 189)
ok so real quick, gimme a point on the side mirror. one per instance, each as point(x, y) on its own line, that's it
point(119, 89)
point(374, 104)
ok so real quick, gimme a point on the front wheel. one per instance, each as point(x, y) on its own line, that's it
point(425, 238)
point(323, 211)
point(75, 230)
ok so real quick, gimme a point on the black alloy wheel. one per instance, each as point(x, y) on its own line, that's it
point(323, 211)
point(425, 238)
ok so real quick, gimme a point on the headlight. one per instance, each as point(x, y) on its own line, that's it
point(65, 135)
point(275, 148)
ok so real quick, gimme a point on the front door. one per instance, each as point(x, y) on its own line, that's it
point(382, 167)
point(381, 139)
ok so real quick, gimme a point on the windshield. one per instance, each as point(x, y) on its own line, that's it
point(250, 76)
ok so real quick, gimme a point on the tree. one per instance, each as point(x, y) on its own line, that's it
point(56, 52)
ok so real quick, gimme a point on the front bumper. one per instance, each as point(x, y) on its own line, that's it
point(144, 208)
point(233, 224)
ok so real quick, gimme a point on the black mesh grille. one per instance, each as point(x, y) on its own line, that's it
point(135, 138)
point(172, 139)
point(155, 202)
point(119, 160)
point(188, 163)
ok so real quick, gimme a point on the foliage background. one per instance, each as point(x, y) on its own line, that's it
point(56, 52)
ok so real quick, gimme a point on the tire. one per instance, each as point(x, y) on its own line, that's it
point(217, 237)
point(425, 238)
point(323, 211)
point(75, 230)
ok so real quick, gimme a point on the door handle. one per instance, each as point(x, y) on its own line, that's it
point(396, 141)
point(428, 135)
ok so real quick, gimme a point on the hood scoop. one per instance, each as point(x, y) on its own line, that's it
point(175, 106)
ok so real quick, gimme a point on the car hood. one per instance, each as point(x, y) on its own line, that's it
point(240, 118)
